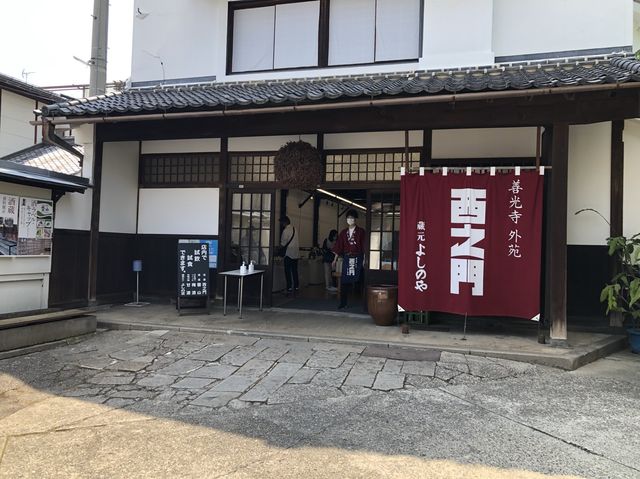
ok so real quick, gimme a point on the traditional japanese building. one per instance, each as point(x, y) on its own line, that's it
point(187, 151)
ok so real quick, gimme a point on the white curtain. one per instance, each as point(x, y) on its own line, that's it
point(397, 30)
point(253, 38)
point(351, 31)
point(296, 36)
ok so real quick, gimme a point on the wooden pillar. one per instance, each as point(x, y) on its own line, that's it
point(427, 147)
point(617, 199)
point(224, 230)
point(556, 251)
point(617, 177)
point(94, 232)
point(316, 198)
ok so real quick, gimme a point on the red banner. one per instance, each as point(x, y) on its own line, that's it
point(471, 244)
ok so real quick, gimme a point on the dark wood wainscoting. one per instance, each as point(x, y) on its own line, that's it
point(588, 269)
point(116, 280)
point(68, 283)
point(159, 255)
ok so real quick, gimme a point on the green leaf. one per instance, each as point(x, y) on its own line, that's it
point(634, 292)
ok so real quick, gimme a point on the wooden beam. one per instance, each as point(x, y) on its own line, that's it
point(581, 109)
point(556, 287)
point(94, 232)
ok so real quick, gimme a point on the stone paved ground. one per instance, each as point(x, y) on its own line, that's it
point(170, 404)
point(139, 369)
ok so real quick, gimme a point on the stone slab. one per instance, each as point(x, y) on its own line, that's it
point(387, 382)
point(192, 383)
point(278, 376)
point(403, 354)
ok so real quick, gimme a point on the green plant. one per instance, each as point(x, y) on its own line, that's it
point(622, 294)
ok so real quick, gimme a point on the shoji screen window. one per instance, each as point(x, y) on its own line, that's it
point(370, 31)
point(274, 37)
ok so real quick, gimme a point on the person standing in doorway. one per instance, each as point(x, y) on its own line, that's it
point(327, 259)
point(350, 245)
point(289, 241)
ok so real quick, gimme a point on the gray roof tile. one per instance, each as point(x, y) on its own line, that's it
point(546, 74)
point(30, 91)
point(51, 157)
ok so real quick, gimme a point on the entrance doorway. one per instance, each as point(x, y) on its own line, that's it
point(314, 214)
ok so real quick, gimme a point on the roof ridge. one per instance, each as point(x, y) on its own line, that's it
point(27, 89)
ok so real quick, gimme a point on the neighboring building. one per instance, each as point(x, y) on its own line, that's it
point(218, 87)
point(38, 166)
point(18, 100)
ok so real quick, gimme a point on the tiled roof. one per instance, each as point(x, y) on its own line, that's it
point(218, 96)
point(30, 91)
point(49, 156)
point(28, 175)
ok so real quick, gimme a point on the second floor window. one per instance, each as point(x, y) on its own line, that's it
point(369, 31)
point(276, 35)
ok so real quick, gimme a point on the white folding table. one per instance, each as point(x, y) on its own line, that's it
point(237, 274)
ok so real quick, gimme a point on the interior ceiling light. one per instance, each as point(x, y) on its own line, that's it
point(344, 200)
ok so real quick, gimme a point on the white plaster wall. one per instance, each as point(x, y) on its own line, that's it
point(522, 27)
point(27, 191)
point(73, 210)
point(179, 211)
point(328, 214)
point(301, 218)
point(379, 139)
point(24, 283)
point(266, 143)
point(200, 145)
point(15, 114)
point(589, 183)
point(457, 33)
point(636, 27)
point(484, 143)
point(119, 190)
point(631, 207)
point(24, 280)
point(190, 36)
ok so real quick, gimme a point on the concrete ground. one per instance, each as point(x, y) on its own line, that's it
point(122, 404)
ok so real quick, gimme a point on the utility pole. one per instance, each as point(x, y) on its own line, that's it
point(98, 62)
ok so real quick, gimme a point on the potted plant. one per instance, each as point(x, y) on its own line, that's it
point(622, 294)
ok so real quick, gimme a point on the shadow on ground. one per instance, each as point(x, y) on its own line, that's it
point(132, 404)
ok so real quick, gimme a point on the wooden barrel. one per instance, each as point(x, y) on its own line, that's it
point(382, 303)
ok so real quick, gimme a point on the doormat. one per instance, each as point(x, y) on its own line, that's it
point(402, 354)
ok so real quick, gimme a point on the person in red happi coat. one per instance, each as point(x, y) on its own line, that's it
point(350, 245)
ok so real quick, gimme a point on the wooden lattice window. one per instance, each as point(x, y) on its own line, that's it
point(384, 236)
point(185, 169)
point(250, 227)
point(368, 166)
point(252, 167)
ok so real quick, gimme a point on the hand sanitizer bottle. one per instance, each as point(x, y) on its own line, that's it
point(243, 268)
point(251, 267)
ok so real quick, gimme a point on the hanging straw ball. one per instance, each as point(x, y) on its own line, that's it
point(298, 165)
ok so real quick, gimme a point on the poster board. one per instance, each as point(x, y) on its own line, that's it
point(213, 249)
point(26, 225)
point(193, 272)
point(8, 224)
point(35, 226)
